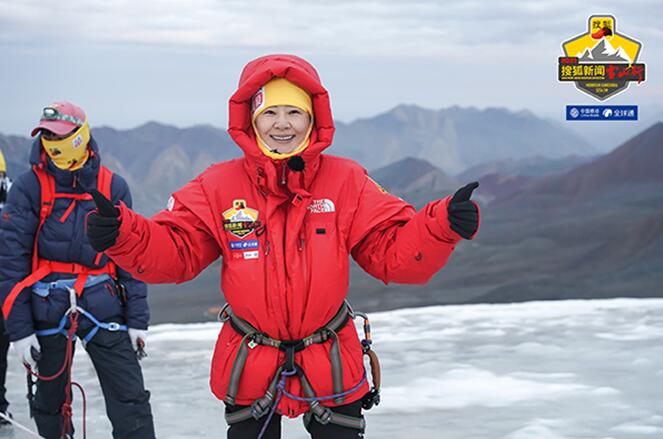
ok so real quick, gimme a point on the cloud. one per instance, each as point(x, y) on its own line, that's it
point(176, 60)
point(388, 28)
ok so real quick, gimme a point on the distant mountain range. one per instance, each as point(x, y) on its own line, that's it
point(455, 139)
point(636, 163)
point(505, 177)
point(417, 180)
point(536, 166)
point(157, 159)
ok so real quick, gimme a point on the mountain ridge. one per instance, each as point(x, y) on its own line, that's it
point(443, 137)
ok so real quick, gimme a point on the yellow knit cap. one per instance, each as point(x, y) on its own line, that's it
point(280, 91)
point(3, 164)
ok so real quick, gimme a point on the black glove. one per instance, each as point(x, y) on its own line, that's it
point(103, 224)
point(464, 213)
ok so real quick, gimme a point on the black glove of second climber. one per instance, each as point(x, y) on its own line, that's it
point(464, 213)
point(103, 224)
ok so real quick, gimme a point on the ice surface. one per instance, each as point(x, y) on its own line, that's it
point(539, 370)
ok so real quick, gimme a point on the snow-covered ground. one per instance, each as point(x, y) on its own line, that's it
point(540, 370)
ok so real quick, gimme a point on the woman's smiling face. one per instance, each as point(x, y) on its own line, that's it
point(283, 127)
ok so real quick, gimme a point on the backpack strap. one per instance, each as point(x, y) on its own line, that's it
point(47, 199)
point(104, 181)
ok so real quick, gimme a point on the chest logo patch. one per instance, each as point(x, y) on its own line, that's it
point(322, 206)
point(240, 220)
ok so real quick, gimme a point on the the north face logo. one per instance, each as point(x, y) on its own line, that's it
point(322, 206)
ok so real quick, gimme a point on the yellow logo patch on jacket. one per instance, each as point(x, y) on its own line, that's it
point(240, 220)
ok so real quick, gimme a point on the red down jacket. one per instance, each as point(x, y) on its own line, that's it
point(285, 238)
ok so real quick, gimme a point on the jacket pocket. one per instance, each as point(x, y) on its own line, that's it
point(103, 301)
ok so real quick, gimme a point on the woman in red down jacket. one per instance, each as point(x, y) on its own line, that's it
point(284, 218)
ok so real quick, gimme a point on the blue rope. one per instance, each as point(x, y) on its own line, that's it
point(59, 330)
point(112, 326)
point(279, 394)
point(280, 391)
point(324, 398)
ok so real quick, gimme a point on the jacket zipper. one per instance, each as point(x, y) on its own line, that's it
point(304, 261)
point(263, 231)
point(283, 180)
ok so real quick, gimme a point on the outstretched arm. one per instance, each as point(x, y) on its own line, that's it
point(394, 243)
point(172, 247)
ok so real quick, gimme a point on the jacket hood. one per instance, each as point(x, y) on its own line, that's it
point(86, 176)
point(256, 74)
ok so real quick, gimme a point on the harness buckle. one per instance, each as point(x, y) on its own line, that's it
point(351, 312)
point(359, 314)
point(372, 398)
point(260, 407)
point(290, 347)
point(113, 326)
point(73, 306)
point(321, 413)
point(223, 315)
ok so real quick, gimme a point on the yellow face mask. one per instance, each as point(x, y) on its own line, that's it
point(71, 153)
point(3, 164)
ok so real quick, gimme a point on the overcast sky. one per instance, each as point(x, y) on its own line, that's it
point(178, 61)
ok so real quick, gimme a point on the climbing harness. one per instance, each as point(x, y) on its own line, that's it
point(267, 405)
point(43, 289)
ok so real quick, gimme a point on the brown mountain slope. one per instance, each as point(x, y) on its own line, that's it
point(638, 161)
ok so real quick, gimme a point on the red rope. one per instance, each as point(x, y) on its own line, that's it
point(80, 388)
point(66, 410)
